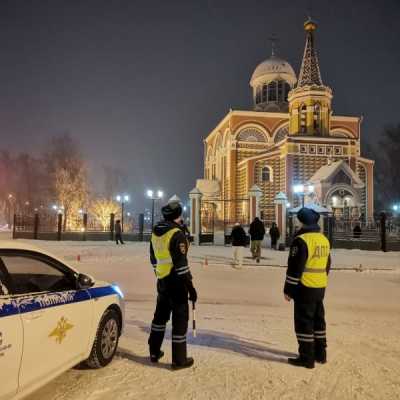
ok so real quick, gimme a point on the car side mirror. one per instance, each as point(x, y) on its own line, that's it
point(84, 281)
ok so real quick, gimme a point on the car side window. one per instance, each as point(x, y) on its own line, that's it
point(4, 280)
point(30, 275)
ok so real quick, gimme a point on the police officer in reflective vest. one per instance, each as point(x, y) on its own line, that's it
point(306, 279)
point(168, 255)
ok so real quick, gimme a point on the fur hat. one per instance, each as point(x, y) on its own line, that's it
point(307, 216)
point(171, 211)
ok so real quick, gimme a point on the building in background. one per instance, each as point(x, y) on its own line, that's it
point(291, 137)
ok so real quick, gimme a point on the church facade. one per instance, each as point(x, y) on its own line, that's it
point(290, 138)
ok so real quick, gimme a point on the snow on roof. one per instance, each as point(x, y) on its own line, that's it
point(327, 171)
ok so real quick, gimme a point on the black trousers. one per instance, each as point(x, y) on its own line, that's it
point(118, 237)
point(310, 327)
point(180, 317)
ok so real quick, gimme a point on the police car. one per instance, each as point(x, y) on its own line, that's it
point(51, 319)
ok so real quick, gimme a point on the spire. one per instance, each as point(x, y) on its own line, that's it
point(309, 72)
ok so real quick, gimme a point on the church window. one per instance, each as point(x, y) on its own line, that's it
point(287, 90)
point(281, 134)
point(321, 150)
point(272, 87)
point(303, 149)
point(329, 150)
point(317, 118)
point(281, 93)
point(312, 149)
point(303, 118)
point(264, 93)
point(266, 174)
point(251, 135)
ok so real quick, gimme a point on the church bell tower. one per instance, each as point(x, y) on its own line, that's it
point(310, 101)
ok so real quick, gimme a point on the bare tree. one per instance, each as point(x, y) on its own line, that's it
point(387, 178)
point(72, 190)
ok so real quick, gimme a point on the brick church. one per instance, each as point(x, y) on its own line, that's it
point(291, 137)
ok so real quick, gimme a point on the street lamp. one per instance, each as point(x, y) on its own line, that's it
point(122, 199)
point(303, 190)
point(153, 196)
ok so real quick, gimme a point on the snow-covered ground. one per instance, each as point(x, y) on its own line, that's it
point(245, 330)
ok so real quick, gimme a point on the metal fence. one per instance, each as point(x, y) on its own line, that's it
point(41, 226)
point(379, 234)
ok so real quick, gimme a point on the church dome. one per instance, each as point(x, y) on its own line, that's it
point(271, 82)
point(273, 68)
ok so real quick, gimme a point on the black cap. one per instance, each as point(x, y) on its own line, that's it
point(171, 211)
point(307, 216)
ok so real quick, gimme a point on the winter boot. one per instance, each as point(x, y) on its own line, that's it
point(320, 357)
point(154, 358)
point(301, 362)
point(187, 364)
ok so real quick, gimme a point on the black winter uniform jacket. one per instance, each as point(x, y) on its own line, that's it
point(298, 256)
point(176, 284)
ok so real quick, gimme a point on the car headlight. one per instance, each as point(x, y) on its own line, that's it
point(118, 290)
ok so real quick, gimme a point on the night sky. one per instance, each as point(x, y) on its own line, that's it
point(141, 83)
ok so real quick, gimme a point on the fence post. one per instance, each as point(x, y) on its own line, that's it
point(14, 224)
point(280, 202)
point(141, 226)
point(330, 230)
point(383, 231)
point(85, 220)
point(36, 226)
point(195, 215)
point(59, 226)
point(112, 218)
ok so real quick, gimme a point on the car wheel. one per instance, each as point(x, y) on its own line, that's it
point(106, 341)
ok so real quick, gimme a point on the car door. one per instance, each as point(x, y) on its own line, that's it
point(56, 317)
point(11, 338)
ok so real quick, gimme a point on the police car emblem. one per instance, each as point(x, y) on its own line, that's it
point(60, 332)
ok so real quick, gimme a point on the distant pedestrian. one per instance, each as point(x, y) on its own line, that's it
point(257, 233)
point(239, 239)
point(357, 232)
point(275, 235)
point(118, 232)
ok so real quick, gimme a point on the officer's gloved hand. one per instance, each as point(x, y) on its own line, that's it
point(192, 294)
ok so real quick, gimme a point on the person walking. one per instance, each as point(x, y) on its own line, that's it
point(118, 232)
point(257, 233)
point(275, 235)
point(306, 279)
point(168, 255)
point(238, 236)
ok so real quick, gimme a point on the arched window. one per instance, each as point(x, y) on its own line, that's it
point(281, 91)
point(303, 119)
point(272, 91)
point(317, 118)
point(287, 90)
point(264, 93)
point(258, 94)
point(266, 174)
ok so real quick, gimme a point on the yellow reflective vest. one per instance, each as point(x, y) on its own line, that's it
point(314, 274)
point(162, 254)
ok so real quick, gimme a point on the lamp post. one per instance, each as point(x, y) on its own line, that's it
point(122, 199)
point(303, 190)
point(10, 201)
point(153, 196)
